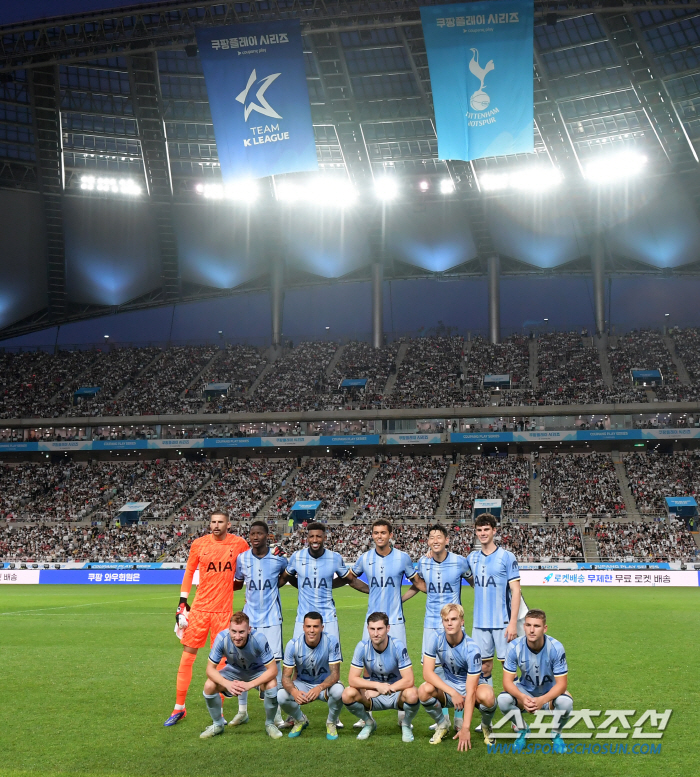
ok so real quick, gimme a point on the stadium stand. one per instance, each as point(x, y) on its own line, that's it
point(510, 357)
point(359, 360)
point(490, 477)
point(642, 349)
point(568, 371)
point(645, 542)
point(334, 482)
point(404, 486)
point(584, 484)
point(653, 476)
point(239, 365)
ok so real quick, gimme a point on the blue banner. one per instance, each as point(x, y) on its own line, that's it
point(256, 81)
point(106, 577)
point(480, 60)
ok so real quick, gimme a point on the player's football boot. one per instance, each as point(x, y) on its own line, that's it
point(521, 741)
point(360, 723)
point(367, 730)
point(406, 734)
point(176, 717)
point(441, 731)
point(239, 719)
point(488, 734)
point(558, 744)
point(272, 731)
point(331, 730)
point(283, 724)
point(298, 727)
point(211, 731)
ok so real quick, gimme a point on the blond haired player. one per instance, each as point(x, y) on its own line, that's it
point(215, 555)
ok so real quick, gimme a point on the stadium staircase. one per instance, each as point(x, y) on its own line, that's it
point(264, 511)
point(683, 375)
point(441, 512)
point(198, 377)
point(630, 504)
point(533, 362)
point(391, 382)
point(601, 344)
point(271, 355)
point(535, 493)
point(369, 477)
point(336, 358)
point(590, 549)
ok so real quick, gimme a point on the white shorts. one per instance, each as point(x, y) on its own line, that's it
point(273, 634)
point(491, 642)
point(330, 628)
point(396, 630)
point(427, 633)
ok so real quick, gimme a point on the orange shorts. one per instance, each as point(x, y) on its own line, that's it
point(200, 624)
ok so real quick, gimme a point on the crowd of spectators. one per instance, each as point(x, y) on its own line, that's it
point(241, 487)
point(65, 491)
point(510, 357)
point(645, 542)
point(64, 543)
point(580, 484)
point(111, 370)
point(491, 477)
point(568, 371)
point(407, 486)
point(334, 482)
point(239, 365)
point(160, 389)
point(31, 382)
point(431, 374)
point(653, 476)
point(642, 349)
point(296, 381)
point(542, 543)
point(360, 360)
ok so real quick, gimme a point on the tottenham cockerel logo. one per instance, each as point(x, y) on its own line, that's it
point(479, 101)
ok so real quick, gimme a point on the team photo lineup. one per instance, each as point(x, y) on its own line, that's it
point(247, 651)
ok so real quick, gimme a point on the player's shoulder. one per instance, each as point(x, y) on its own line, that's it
point(259, 639)
point(221, 637)
point(398, 645)
point(507, 554)
point(554, 644)
point(238, 541)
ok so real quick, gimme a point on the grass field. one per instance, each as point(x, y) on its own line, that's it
point(88, 677)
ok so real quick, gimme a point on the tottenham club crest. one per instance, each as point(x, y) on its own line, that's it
point(479, 101)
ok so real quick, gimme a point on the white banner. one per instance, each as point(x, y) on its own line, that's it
point(19, 577)
point(413, 439)
point(665, 578)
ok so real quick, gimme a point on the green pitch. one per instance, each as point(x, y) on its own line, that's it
point(88, 677)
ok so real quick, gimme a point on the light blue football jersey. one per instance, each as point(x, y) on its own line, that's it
point(491, 577)
point(253, 656)
point(315, 580)
point(262, 597)
point(538, 671)
point(443, 579)
point(384, 667)
point(457, 662)
point(313, 665)
point(384, 578)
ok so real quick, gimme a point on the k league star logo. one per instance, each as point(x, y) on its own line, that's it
point(263, 106)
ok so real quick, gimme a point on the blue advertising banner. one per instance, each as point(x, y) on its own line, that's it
point(101, 577)
point(259, 99)
point(480, 60)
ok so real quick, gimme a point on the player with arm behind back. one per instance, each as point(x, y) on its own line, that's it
point(260, 570)
point(463, 687)
point(215, 556)
point(542, 684)
point(249, 664)
point(381, 678)
point(312, 672)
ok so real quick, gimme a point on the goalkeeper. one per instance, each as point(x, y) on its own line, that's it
point(215, 554)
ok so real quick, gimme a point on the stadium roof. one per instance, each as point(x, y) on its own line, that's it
point(121, 92)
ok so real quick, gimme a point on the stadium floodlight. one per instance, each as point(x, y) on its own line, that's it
point(529, 179)
point(245, 190)
point(615, 167)
point(92, 183)
point(447, 186)
point(326, 192)
point(386, 188)
point(424, 186)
